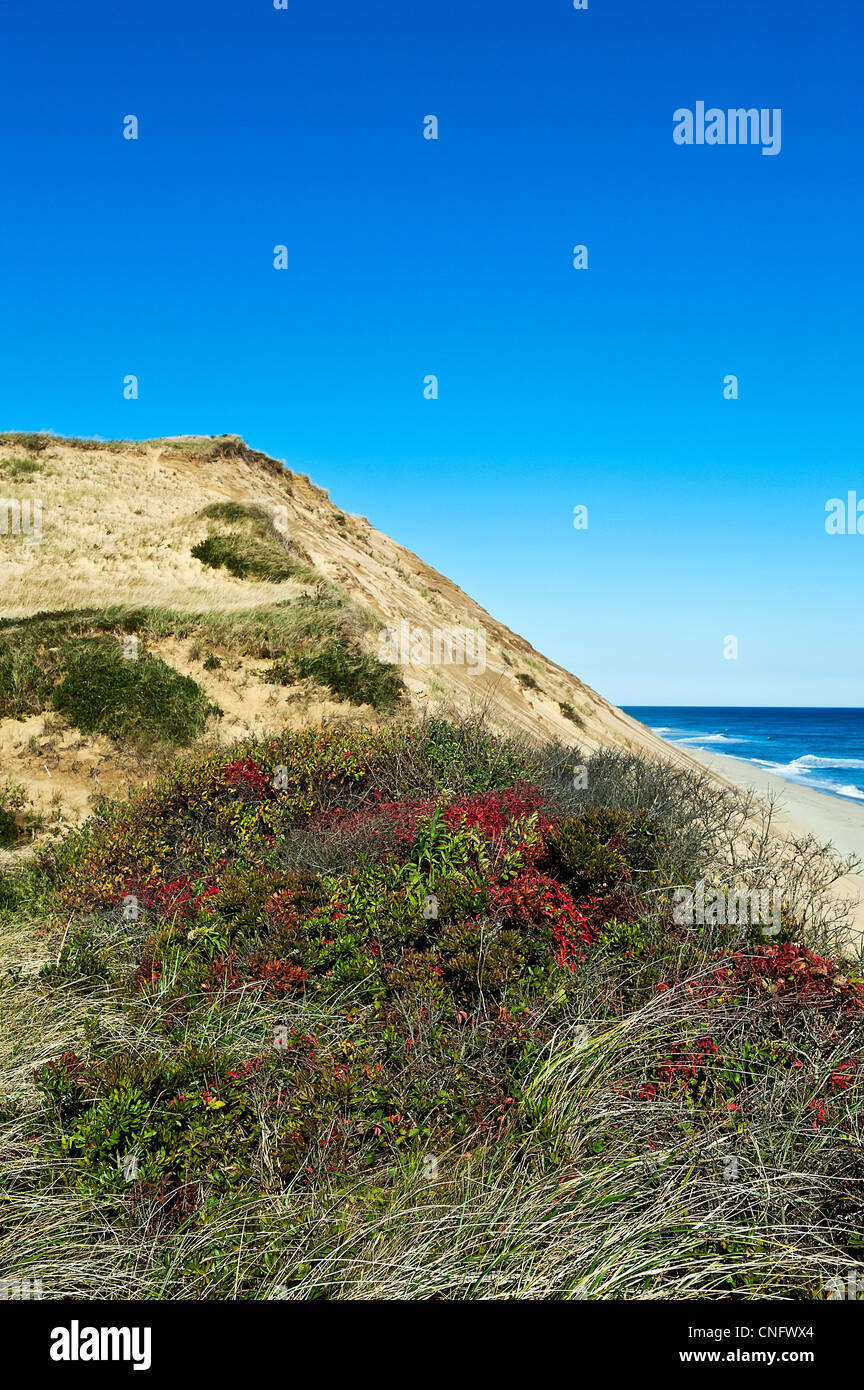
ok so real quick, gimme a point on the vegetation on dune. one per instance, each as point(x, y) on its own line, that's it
point(19, 467)
point(133, 697)
point(74, 662)
point(258, 632)
point(405, 1013)
point(569, 713)
point(325, 647)
point(35, 443)
point(14, 803)
point(345, 669)
point(253, 549)
point(208, 449)
point(23, 819)
point(138, 701)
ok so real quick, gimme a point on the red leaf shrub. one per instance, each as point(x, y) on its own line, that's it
point(536, 900)
point(247, 775)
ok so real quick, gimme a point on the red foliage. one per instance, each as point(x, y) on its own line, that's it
point(281, 975)
point(844, 1073)
point(223, 974)
point(177, 897)
point(790, 971)
point(148, 972)
point(284, 916)
point(247, 775)
point(600, 908)
point(490, 812)
point(534, 898)
point(226, 973)
point(684, 1063)
point(784, 971)
point(493, 811)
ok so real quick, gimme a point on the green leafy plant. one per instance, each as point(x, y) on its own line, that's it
point(141, 700)
point(339, 663)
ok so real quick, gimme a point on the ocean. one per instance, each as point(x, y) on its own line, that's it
point(820, 748)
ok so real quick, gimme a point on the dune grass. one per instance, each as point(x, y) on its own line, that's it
point(97, 683)
point(19, 467)
point(138, 701)
point(252, 548)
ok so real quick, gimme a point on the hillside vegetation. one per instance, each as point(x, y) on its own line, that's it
point(404, 1013)
point(263, 600)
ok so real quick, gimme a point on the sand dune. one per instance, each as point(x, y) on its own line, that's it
point(118, 524)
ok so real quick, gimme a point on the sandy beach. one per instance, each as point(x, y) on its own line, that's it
point(832, 819)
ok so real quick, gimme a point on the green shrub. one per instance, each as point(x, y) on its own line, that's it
point(141, 701)
point(467, 756)
point(13, 799)
point(20, 467)
point(324, 645)
point(478, 959)
point(253, 549)
point(27, 678)
point(189, 1117)
point(346, 670)
point(245, 558)
point(569, 713)
point(588, 852)
point(36, 443)
point(238, 512)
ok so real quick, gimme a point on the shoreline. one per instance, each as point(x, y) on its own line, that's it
point(802, 810)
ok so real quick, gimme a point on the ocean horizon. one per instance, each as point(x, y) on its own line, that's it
point(818, 748)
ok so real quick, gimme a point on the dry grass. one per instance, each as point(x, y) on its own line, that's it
point(112, 528)
point(627, 1223)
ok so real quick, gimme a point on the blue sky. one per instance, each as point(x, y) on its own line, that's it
point(410, 257)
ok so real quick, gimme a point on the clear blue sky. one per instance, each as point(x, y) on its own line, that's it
point(407, 257)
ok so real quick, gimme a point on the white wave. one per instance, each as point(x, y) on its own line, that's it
point(854, 793)
point(799, 770)
point(794, 772)
point(708, 738)
point(812, 760)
